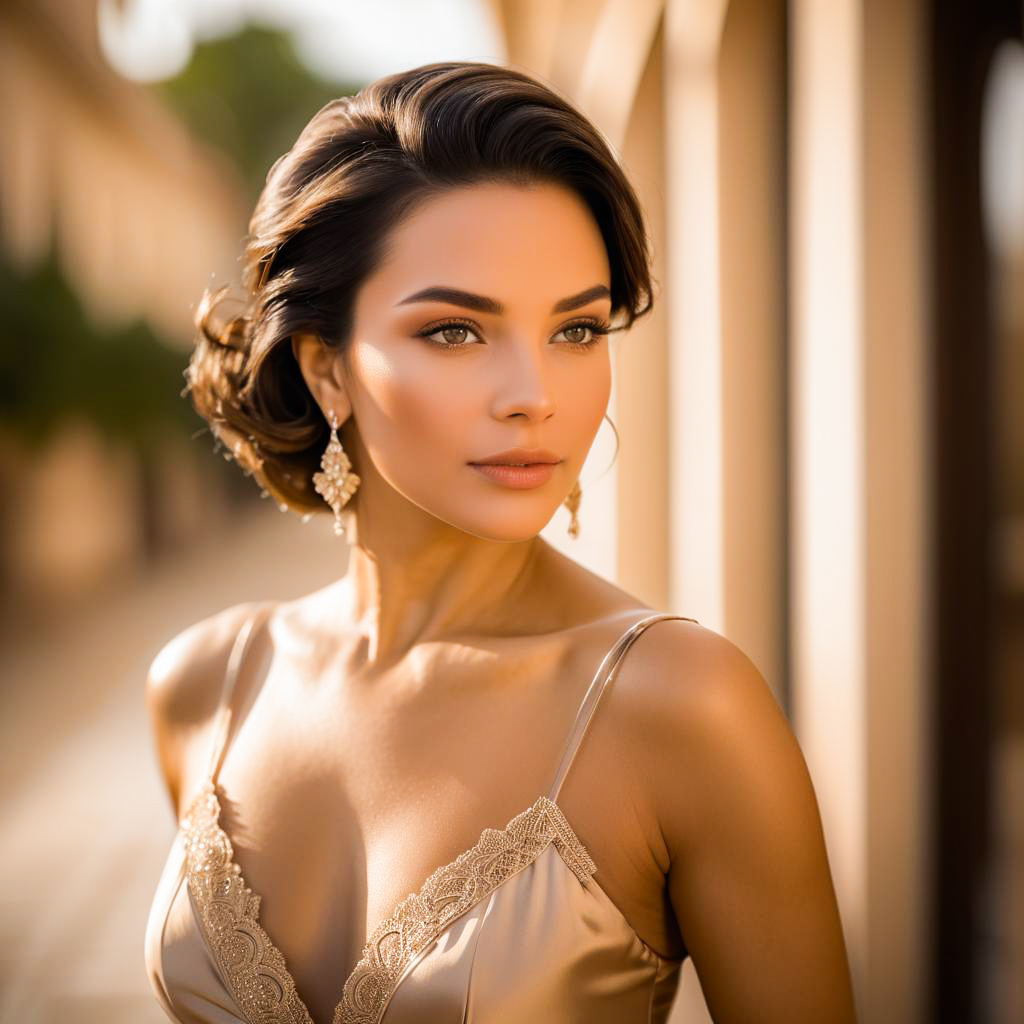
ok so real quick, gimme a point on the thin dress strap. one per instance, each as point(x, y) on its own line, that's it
point(602, 678)
point(235, 659)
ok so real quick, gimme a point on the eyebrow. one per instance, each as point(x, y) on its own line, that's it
point(457, 297)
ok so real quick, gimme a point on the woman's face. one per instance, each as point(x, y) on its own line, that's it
point(438, 382)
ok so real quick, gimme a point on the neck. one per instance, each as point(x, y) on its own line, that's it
point(422, 580)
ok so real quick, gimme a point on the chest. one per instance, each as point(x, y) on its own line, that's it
point(340, 804)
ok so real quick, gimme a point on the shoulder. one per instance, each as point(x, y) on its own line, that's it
point(735, 809)
point(707, 713)
point(184, 684)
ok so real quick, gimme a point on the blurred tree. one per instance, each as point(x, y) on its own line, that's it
point(249, 95)
point(55, 363)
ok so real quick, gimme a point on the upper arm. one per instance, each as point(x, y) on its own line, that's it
point(183, 689)
point(749, 878)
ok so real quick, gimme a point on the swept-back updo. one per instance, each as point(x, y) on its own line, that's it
point(319, 225)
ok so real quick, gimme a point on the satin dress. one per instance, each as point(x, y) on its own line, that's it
point(514, 930)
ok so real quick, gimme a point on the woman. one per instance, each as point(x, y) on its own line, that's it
point(431, 274)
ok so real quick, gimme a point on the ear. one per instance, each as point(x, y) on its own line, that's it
point(323, 370)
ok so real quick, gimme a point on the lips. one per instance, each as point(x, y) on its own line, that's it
point(517, 477)
point(519, 457)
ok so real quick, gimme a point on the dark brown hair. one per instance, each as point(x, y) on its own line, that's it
point(321, 222)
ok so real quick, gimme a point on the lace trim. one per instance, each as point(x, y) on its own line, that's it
point(254, 969)
point(448, 892)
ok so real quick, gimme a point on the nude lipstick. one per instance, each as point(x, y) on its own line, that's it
point(518, 468)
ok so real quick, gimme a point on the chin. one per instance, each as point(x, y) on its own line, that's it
point(509, 530)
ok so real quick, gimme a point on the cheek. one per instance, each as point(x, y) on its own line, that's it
point(585, 398)
point(601, 389)
point(436, 409)
point(411, 404)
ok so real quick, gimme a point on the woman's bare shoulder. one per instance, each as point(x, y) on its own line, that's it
point(184, 684)
point(736, 810)
point(696, 699)
point(684, 661)
point(181, 677)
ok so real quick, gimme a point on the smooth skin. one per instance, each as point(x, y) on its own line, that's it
point(393, 703)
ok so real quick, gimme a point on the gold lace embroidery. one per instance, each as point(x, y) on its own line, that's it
point(255, 969)
point(448, 892)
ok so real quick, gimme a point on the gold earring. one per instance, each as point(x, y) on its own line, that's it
point(336, 483)
point(572, 503)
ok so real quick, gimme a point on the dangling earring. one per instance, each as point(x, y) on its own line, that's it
point(336, 483)
point(572, 503)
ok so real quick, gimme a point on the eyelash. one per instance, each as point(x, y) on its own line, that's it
point(597, 329)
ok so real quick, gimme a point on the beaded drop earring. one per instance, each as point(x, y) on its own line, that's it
point(572, 503)
point(337, 483)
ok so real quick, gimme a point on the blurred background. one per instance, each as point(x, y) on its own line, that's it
point(821, 425)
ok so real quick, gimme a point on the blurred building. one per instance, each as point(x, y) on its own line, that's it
point(139, 215)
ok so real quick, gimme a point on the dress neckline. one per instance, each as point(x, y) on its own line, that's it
point(255, 970)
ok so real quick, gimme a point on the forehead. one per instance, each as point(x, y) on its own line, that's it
point(500, 239)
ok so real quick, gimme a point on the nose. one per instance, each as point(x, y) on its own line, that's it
point(526, 386)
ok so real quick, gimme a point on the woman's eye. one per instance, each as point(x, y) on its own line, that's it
point(592, 327)
point(453, 334)
point(576, 334)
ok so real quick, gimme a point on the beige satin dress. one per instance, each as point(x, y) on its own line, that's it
point(514, 930)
